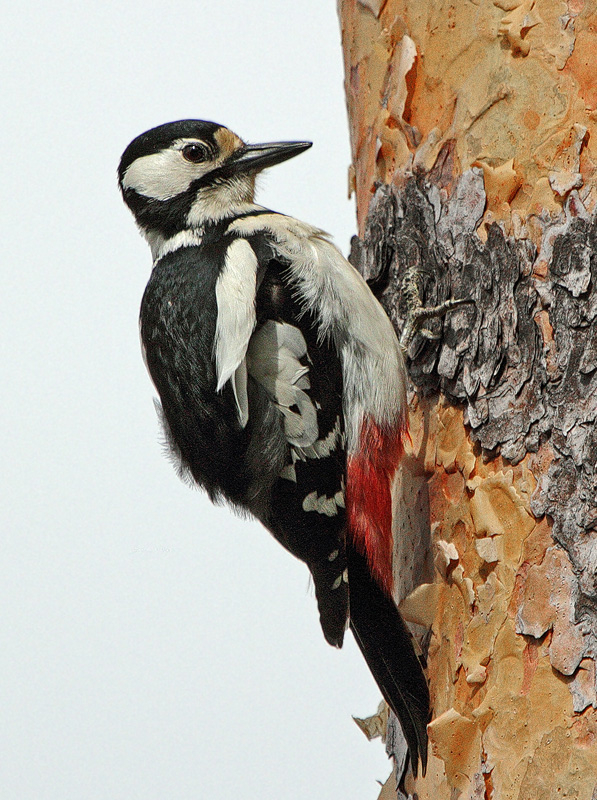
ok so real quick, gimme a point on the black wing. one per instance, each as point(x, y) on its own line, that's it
point(303, 376)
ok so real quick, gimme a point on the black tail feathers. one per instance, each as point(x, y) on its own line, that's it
point(388, 649)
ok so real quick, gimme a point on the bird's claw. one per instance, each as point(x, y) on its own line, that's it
point(417, 314)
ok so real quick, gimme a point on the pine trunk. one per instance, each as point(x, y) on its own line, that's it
point(474, 142)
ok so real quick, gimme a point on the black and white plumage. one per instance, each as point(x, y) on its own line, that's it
point(281, 381)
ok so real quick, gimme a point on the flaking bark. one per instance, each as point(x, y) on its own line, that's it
point(496, 204)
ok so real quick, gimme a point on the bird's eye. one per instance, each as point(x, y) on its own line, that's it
point(194, 153)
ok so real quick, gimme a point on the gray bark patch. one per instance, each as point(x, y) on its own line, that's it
point(520, 389)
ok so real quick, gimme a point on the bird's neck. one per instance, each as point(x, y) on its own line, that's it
point(212, 204)
point(222, 199)
point(162, 245)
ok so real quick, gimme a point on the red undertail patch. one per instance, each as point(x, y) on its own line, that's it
point(370, 473)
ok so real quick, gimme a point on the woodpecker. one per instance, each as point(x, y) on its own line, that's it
point(281, 381)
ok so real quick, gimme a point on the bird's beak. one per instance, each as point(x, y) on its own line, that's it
point(255, 157)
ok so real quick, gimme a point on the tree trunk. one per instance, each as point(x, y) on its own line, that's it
point(474, 140)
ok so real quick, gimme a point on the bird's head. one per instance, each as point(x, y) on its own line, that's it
point(186, 174)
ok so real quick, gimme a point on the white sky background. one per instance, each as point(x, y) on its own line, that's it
point(151, 646)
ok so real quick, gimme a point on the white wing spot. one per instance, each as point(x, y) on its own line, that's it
point(323, 505)
point(333, 555)
point(289, 473)
point(337, 582)
point(323, 447)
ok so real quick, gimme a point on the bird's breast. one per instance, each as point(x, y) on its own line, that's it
point(178, 327)
point(178, 319)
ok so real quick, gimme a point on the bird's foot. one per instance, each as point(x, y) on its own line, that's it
point(417, 314)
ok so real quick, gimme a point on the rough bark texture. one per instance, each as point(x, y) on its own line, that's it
point(474, 135)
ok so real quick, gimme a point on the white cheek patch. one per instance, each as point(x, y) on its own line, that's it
point(162, 175)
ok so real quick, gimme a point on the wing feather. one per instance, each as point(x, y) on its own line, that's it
point(273, 359)
point(235, 296)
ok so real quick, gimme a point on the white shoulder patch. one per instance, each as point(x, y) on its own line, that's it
point(235, 296)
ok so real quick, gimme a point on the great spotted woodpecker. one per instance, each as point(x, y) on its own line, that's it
point(281, 381)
